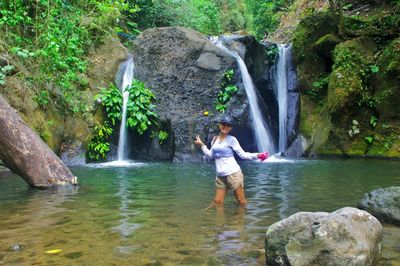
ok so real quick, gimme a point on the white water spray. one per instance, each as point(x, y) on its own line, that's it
point(127, 79)
point(261, 132)
point(281, 91)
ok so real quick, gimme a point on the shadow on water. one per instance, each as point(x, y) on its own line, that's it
point(154, 212)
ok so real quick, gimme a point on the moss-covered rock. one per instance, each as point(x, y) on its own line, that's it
point(346, 84)
point(325, 45)
point(359, 113)
point(310, 64)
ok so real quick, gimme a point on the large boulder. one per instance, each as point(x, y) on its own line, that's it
point(184, 70)
point(347, 236)
point(383, 203)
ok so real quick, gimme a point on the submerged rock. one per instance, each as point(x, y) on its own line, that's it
point(383, 203)
point(347, 236)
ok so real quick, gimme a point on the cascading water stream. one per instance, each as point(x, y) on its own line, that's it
point(261, 132)
point(127, 79)
point(281, 91)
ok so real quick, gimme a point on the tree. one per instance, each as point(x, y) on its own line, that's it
point(336, 7)
point(25, 153)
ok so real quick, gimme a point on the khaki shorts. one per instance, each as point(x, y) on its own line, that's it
point(232, 181)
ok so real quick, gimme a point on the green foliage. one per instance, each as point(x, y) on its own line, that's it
point(226, 92)
point(98, 145)
point(201, 15)
point(140, 108)
point(373, 121)
point(374, 69)
point(42, 98)
point(265, 15)
point(162, 136)
point(318, 91)
point(369, 139)
point(22, 53)
point(111, 100)
point(156, 13)
point(51, 38)
point(3, 72)
point(350, 74)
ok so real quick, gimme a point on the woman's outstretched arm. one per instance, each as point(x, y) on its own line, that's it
point(240, 152)
point(203, 147)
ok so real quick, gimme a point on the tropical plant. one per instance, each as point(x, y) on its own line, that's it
point(111, 100)
point(99, 144)
point(162, 136)
point(226, 92)
point(140, 108)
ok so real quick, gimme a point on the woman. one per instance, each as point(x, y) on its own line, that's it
point(229, 174)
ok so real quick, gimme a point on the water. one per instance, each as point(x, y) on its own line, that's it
point(153, 212)
point(263, 138)
point(126, 83)
point(282, 93)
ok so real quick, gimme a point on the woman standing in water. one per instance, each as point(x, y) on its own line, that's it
point(229, 174)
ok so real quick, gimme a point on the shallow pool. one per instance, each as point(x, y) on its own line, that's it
point(153, 213)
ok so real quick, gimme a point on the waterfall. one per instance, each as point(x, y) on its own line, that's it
point(281, 91)
point(127, 77)
point(261, 131)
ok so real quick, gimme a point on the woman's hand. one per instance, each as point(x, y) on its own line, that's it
point(262, 156)
point(198, 141)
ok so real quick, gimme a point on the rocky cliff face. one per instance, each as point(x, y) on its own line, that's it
point(350, 84)
point(185, 70)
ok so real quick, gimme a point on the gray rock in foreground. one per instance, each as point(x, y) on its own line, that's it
point(383, 203)
point(347, 236)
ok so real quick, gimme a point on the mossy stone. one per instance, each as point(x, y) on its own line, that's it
point(325, 45)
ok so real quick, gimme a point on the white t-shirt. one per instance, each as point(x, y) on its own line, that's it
point(223, 153)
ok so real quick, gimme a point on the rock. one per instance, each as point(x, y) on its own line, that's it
point(209, 61)
point(185, 70)
point(17, 247)
point(325, 45)
point(73, 153)
point(347, 236)
point(383, 203)
point(104, 62)
point(298, 148)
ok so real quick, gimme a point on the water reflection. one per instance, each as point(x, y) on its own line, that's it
point(229, 238)
point(126, 227)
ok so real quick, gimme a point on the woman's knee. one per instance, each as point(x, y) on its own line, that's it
point(218, 201)
point(242, 201)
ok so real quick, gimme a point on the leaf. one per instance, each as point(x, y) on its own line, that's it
point(53, 251)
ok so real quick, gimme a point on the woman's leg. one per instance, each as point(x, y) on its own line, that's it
point(219, 196)
point(218, 199)
point(239, 195)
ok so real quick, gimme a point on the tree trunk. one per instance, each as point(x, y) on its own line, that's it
point(25, 153)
